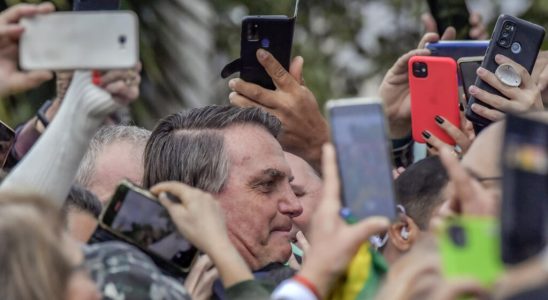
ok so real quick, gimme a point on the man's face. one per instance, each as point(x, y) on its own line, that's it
point(257, 198)
point(307, 186)
point(116, 162)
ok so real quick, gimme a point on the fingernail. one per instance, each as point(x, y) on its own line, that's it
point(473, 89)
point(480, 71)
point(426, 134)
point(429, 146)
point(232, 84)
point(461, 107)
point(262, 54)
point(439, 120)
point(475, 107)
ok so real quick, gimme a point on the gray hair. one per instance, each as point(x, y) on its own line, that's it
point(189, 146)
point(107, 135)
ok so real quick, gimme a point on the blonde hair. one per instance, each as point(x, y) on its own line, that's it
point(33, 264)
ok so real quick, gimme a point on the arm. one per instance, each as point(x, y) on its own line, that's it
point(50, 166)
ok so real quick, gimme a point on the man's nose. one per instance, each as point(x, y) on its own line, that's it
point(289, 204)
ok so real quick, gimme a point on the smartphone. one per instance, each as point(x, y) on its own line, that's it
point(467, 67)
point(524, 212)
point(470, 248)
point(85, 5)
point(458, 49)
point(451, 13)
point(96, 40)
point(358, 131)
point(135, 216)
point(434, 91)
point(514, 38)
point(273, 33)
point(7, 139)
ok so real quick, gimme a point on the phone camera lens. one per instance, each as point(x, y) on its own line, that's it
point(458, 235)
point(420, 69)
point(122, 39)
point(505, 34)
point(509, 27)
point(503, 42)
point(265, 43)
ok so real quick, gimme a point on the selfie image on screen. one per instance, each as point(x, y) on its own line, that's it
point(148, 224)
point(363, 161)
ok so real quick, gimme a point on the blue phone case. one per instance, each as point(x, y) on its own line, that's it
point(458, 49)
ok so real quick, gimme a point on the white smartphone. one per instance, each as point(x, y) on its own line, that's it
point(359, 133)
point(80, 40)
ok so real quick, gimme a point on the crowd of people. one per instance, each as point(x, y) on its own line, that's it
point(258, 185)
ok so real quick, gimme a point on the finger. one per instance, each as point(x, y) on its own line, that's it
point(429, 37)
point(401, 65)
point(253, 92)
point(449, 34)
point(331, 193)
point(460, 288)
point(475, 19)
point(117, 88)
point(178, 189)
point(17, 12)
point(11, 31)
point(434, 141)
point(208, 262)
point(241, 101)
point(495, 101)
point(489, 114)
point(526, 79)
point(401, 170)
point(429, 23)
point(280, 76)
point(491, 79)
point(369, 227)
point(195, 274)
point(23, 81)
point(542, 81)
point(454, 132)
point(458, 175)
point(296, 69)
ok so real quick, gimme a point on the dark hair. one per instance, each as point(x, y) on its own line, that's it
point(82, 200)
point(189, 146)
point(419, 189)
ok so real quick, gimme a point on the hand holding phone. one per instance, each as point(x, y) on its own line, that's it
point(359, 133)
point(518, 41)
point(135, 216)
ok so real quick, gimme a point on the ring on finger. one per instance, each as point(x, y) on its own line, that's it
point(506, 74)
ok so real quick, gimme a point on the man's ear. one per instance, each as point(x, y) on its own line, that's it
point(404, 233)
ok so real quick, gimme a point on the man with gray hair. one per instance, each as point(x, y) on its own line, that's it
point(115, 153)
point(233, 154)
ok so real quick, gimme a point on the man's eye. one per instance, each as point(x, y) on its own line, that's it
point(268, 184)
point(300, 194)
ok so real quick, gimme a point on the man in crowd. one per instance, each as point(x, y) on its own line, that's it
point(232, 153)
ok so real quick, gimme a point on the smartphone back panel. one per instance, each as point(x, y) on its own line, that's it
point(470, 248)
point(524, 212)
point(458, 49)
point(510, 35)
point(467, 68)
point(359, 134)
point(272, 33)
point(434, 91)
point(80, 40)
point(451, 13)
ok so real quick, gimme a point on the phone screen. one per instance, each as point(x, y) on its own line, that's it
point(467, 74)
point(359, 135)
point(525, 189)
point(451, 13)
point(7, 137)
point(147, 223)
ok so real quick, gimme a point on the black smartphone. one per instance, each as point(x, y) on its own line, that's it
point(359, 134)
point(524, 212)
point(7, 139)
point(467, 67)
point(272, 33)
point(86, 5)
point(514, 38)
point(135, 216)
point(458, 49)
point(451, 13)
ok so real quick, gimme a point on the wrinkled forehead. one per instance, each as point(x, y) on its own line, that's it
point(252, 149)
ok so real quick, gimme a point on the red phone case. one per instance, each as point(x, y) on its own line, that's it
point(435, 94)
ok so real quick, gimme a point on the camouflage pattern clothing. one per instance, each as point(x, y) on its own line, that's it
point(122, 272)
